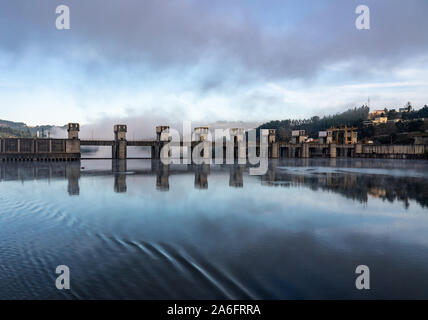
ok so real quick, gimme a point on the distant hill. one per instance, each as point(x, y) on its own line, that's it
point(11, 129)
point(11, 124)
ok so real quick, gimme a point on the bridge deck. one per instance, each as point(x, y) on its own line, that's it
point(96, 142)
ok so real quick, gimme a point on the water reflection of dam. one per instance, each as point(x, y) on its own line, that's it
point(358, 186)
point(354, 185)
point(40, 171)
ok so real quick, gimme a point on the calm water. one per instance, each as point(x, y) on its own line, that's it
point(145, 231)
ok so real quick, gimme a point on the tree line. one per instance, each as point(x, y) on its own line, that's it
point(351, 118)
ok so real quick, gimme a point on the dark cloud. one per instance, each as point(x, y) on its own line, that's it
point(180, 34)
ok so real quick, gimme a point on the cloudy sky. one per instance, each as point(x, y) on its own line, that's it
point(249, 60)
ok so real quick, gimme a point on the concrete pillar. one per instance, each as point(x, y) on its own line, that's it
point(162, 133)
point(162, 177)
point(242, 151)
point(119, 145)
point(119, 150)
point(273, 145)
point(155, 152)
point(201, 136)
point(165, 152)
point(120, 132)
point(71, 146)
point(272, 136)
point(271, 174)
point(237, 133)
point(201, 176)
point(237, 136)
point(73, 131)
point(162, 138)
point(332, 147)
point(275, 150)
point(18, 147)
point(305, 150)
point(50, 145)
point(207, 150)
point(201, 133)
point(358, 148)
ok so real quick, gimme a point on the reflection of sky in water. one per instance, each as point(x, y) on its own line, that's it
point(293, 233)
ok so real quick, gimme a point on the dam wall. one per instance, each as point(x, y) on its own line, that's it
point(35, 149)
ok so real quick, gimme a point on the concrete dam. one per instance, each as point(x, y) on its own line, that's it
point(51, 149)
